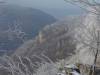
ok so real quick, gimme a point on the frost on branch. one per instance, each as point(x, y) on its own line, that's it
point(26, 66)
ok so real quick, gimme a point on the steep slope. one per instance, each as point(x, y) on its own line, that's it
point(22, 22)
point(55, 41)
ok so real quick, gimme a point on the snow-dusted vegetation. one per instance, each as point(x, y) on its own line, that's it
point(25, 66)
point(75, 40)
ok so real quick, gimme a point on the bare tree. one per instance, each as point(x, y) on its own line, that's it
point(88, 35)
point(88, 5)
point(16, 30)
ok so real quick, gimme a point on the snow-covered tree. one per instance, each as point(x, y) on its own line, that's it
point(88, 5)
point(88, 34)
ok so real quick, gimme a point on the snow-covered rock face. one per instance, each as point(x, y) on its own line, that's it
point(87, 39)
point(75, 73)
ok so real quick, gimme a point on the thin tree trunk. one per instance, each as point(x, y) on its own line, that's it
point(96, 55)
